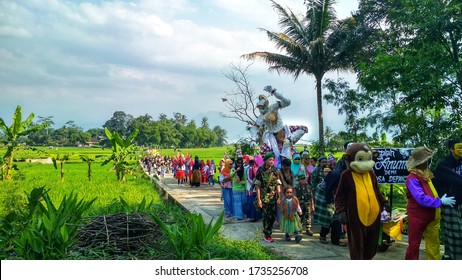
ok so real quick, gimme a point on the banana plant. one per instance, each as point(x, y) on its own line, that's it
point(88, 160)
point(62, 160)
point(17, 129)
point(122, 150)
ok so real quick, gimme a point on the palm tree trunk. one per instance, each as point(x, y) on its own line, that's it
point(320, 114)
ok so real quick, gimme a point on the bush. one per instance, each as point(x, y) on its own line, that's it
point(42, 231)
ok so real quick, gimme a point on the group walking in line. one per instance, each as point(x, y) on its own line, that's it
point(296, 197)
point(280, 185)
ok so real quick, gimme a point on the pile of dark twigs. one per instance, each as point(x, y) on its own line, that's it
point(124, 232)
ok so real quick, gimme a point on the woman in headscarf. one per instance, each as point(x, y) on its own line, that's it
point(239, 182)
point(226, 183)
point(297, 168)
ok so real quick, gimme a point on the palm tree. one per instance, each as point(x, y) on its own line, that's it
point(205, 122)
point(307, 46)
point(17, 129)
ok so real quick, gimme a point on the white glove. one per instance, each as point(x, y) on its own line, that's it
point(268, 88)
point(448, 201)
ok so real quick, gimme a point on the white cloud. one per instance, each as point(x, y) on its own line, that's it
point(84, 60)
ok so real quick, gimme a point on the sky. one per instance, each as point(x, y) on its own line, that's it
point(82, 61)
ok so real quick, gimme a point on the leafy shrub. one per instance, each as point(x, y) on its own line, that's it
point(44, 232)
point(190, 240)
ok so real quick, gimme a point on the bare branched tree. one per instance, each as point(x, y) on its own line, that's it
point(241, 101)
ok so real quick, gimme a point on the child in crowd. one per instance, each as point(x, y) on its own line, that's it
point(290, 209)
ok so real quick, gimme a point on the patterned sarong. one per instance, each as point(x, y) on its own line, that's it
point(322, 214)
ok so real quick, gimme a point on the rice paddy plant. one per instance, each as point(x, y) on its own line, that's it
point(137, 193)
point(103, 186)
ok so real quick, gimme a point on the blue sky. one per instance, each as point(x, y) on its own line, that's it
point(83, 60)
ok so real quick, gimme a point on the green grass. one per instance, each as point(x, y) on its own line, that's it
point(108, 193)
point(103, 186)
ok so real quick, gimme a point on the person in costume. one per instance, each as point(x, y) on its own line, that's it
point(226, 183)
point(448, 180)
point(290, 211)
point(277, 137)
point(304, 197)
point(423, 213)
point(358, 202)
point(268, 188)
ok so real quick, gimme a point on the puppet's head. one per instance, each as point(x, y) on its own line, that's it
point(262, 104)
point(359, 158)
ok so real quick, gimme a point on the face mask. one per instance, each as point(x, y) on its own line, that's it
point(458, 149)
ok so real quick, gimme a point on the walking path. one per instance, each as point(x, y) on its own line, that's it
point(206, 200)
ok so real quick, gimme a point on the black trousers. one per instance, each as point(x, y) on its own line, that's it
point(336, 227)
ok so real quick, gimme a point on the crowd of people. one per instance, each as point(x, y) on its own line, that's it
point(254, 189)
point(304, 191)
point(284, 186)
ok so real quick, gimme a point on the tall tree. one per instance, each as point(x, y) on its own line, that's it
point(242, 100)
point(411, 65)
point(147, 128)
point(17, 129)
point(180, 119)
point(120, 123)
point(350, 102)
point(205, 122)
point(221, 136)
point(307, 47)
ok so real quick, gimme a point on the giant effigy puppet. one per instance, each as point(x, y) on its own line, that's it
point(277, 137)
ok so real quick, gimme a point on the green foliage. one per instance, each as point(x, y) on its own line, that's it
point(399, 199)
point(88, 160)
point(135, 194)
point(410, 67)
point(17, 129)
point(190, 240)
point(42, 231)
point(227, 249)
point(142, 207)
point(62, 161)
point(122, 150)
